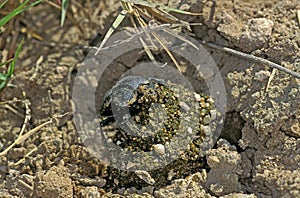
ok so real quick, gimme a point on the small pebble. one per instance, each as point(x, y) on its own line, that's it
point(197, 97)
point(159, 148)
point(184, 106)
point(145, 176)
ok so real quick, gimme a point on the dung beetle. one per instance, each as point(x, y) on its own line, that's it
point(123, 94)
point(147, 112)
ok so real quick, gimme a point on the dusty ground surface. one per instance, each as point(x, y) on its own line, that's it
point(257, 155)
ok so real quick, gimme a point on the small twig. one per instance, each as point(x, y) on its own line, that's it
point(37, 64)
point(12, 109)
point(22, 138)
point(27, 116)
point(8, 105)
point(10, 101)
point(23, 159)
point(29, 153)
point(252, 58)
point(53, 4)
point(270, 79)
point(25, 185)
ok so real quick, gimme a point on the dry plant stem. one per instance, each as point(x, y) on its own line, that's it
point(36, 69)
point(27, 116)
point(53, 4)
point(12, 109)
point(25, 185)
point(10, 101)
point(23, 159)
point(270, 79)
point(29, 153)
point(226, 49)
point(168, 52)
point(252, 58)
point(142, 24)
point(22, 138)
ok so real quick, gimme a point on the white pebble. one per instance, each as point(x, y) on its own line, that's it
point(159, 148)
point(145, 176)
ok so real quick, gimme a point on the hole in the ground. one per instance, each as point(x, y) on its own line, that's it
point(233, 125)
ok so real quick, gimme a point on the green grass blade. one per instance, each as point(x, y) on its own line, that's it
point(3, 80)
point(5, 77)
point(13, 13)
point(2, 84)
point(64, 5)
point(113, 27)
point(21, 8)
point(12, 66)
point(2, 77)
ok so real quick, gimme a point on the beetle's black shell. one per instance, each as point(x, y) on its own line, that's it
point(125, 91)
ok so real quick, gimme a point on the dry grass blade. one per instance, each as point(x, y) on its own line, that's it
point(151, 11)
point(22, 137)
point(160, 6)
point(168, 51)
point(270, 79)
